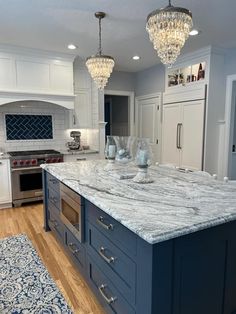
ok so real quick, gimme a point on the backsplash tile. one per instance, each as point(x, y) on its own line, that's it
point(28, 127)
point(60, 118)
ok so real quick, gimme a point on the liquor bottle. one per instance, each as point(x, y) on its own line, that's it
point(201, 73)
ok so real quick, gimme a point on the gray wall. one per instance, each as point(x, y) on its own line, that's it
point(150, 81)
point(230, 63)
point(124, 81)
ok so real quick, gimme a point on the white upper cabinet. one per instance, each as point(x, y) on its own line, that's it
point(29, 73)
point(83, 114)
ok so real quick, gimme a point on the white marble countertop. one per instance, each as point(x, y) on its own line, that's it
point(175, 204)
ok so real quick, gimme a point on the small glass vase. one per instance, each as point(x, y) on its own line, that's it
point(124, 144)
point(143, 161)
point(110, 152)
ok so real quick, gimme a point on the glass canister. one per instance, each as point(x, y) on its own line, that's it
point(143, 160)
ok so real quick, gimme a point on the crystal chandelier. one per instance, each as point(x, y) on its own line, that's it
point(168, 30)
point(100, 66)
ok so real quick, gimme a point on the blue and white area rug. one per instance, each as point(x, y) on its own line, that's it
point(25, 285)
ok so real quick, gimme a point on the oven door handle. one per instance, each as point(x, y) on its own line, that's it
point(24, 169)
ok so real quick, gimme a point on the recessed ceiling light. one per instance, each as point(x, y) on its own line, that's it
point(194, 32)
point(71, 46)
point(136, 57)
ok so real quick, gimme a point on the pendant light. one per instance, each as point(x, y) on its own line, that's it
point(168, 30)
point(100, 66)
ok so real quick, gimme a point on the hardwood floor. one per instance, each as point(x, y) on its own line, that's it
point(29, 220)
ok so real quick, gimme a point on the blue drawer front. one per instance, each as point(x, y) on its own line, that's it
point(105, 290)
point(53, 183)
point(55, 223)
point(118, 267)
point(54, 198)
point(116, 232)
point(76, 248)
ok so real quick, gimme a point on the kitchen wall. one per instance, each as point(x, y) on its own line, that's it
point(60, 117)
point(150, 81)
point(123, 81)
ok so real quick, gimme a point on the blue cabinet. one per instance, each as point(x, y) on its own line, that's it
point(195, 273)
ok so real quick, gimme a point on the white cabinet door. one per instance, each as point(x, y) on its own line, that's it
point(83, 109)
point(170, 128)
point(149, 122)
point(192, 135)
point(5, 182)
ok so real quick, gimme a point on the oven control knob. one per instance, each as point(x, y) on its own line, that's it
point(15, 163)
point(27, 162)
point(22, 162)
point(54, 159)
point(34, 162)
point(60, 160)
point(48, 160)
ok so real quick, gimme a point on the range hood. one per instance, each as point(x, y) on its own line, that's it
point(66, 101)
point(36, 75)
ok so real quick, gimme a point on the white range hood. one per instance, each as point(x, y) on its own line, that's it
point(66, 101)
point(38, 76)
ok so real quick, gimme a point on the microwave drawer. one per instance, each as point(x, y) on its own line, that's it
point(76, 248)
point(119, 268)
point(110, 297)
point(112, 229)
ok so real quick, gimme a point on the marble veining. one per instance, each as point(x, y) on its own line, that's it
point(175, 204)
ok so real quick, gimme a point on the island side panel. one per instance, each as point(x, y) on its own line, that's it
point(154, 277)
point(196, 273)
point(45, 201)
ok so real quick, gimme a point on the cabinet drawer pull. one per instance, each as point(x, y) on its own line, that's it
point(53, 199)
point(71, 245)
point(109, 260)
point(107, 299)
point(100, 220)
point(54, 223)
point(53, 181)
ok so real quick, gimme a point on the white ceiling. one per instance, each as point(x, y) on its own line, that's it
point(52, 24)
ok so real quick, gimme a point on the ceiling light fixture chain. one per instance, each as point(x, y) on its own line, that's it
point(100, 66)
point(168, 30)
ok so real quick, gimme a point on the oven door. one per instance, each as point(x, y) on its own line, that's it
point(26, 183)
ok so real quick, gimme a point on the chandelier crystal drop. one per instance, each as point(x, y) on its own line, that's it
point(168, 30)
point(100, 66)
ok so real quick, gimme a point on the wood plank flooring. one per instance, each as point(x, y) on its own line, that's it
point(29, 220)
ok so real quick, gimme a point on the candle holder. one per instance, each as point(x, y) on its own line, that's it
point(143, 161)
point(110, 152)
point(124, 145)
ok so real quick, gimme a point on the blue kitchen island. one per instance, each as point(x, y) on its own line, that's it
point(168, 247)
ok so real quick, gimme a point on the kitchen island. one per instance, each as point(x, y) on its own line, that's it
point(168, 247)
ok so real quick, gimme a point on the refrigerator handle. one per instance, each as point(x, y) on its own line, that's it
point(180, 133)
point(177, 136)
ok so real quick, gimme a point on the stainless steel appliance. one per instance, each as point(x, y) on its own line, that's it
point(26, 173)
point(75, 144)
point(72, 211)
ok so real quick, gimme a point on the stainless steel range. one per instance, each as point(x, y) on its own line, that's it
point(26, 173)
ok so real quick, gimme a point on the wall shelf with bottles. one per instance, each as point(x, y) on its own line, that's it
point(186, 75)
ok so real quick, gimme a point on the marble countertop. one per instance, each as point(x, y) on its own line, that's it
point(79, 152)
point(175, 204)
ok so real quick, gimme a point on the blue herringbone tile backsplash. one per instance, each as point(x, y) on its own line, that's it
point(28, 127)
